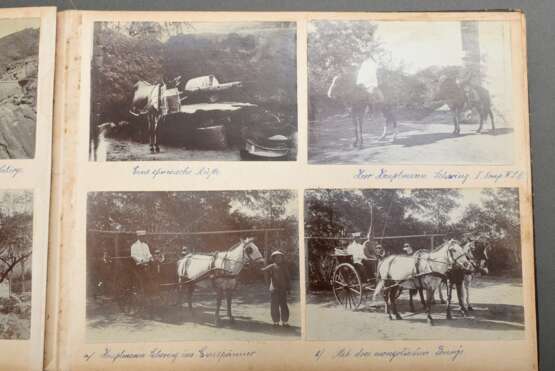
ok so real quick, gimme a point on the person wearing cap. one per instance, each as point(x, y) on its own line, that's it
point(407, 248)
point(140, 252)
point(280, 285)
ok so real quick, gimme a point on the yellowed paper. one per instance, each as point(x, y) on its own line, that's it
point(123, 191)
point(28, 37)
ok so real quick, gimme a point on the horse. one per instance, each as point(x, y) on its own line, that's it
point(463, 96)
point(462, 279)
point(426, 270)
point(148, 101)
point(357, 99)
point(221, 269)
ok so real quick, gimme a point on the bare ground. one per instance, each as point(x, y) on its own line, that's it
point(428, 141)
point(498, 315)
point(250, 307)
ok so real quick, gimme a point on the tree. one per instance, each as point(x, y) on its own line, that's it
point(497, 221)
point(335, 44)
point(16, 230)
point(435, 205)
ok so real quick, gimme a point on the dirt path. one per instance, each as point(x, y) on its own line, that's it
point(429, 141)
point(110, 149)
point(498, 315)
point(251, 309)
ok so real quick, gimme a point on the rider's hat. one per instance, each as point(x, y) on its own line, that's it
point(141, 233)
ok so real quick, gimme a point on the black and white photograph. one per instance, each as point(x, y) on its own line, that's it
point(414, 264)
point(193, 91)
point(16, 247)
point(410, 92)
point(186, 266)
point(19, 40)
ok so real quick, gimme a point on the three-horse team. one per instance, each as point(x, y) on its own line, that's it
point(449, 265)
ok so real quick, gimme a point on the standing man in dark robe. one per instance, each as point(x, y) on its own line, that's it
point(280, 286)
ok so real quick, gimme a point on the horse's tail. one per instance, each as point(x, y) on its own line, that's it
point(379, 288)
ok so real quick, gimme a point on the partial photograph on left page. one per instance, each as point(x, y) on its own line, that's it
point(27, 41)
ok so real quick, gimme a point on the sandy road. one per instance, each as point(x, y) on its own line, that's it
point(429, 141)
point(250, 307)
point(498, 315)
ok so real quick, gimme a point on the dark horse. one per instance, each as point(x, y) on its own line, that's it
point(462, 96)
point(358, 99)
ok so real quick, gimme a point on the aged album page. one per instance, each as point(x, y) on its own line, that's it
point(27, 40)
point(292, 190)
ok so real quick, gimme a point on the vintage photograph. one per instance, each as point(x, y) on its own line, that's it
point(401, 92)
point(223, 91)
point(19, 39)
point(178, 266)
point(414, 264)
point(16, 247)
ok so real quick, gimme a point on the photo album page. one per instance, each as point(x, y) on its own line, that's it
point(28, 45)
point(267, 191)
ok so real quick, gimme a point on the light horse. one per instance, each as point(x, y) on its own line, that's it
point(357, 99)
point(461, 279)
point(148, 101)
point(462, 96)
point(426, 271)
point(218, 271)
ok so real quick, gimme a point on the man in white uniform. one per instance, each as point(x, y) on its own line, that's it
point(140, 251)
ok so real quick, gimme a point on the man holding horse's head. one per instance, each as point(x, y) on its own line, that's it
point(140, 252)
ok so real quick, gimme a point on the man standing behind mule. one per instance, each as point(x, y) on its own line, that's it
point(280, 286)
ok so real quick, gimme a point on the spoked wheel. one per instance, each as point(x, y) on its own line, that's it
point(347, 286)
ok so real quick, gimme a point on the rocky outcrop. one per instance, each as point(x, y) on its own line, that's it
point(18, 94)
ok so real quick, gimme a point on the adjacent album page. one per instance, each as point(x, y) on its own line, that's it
point(27, 41)
point(292, 190)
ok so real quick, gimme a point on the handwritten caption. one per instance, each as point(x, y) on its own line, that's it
point(158, 354)
point(9, 170)
point(461, 177)
point(186, 171)
point(441, 351)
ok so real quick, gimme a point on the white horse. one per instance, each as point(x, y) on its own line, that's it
point(218, 271)
point(423, 271)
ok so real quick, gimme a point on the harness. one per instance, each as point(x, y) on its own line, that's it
point(417, 256)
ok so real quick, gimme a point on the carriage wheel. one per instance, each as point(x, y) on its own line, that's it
point(347, 286)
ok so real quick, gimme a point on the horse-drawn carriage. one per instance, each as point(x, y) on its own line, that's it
point(170, 277)
point(352, 271)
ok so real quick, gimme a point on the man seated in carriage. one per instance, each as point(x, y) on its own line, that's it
point(140, 253)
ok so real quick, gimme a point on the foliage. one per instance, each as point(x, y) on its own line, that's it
point(264, 58)
point(498, 223)
point(334, 45)
point(16, 229)
point(393, 212)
